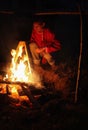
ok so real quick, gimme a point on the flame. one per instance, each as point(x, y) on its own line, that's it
point(20, 69)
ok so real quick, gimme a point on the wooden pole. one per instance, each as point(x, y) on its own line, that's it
point(79, 61)
point(58, 13)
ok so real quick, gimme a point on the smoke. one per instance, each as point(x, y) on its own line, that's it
point(36, 79)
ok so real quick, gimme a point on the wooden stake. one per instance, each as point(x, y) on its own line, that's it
point(79, 61)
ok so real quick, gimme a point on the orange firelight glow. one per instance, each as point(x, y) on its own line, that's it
point(20, 69)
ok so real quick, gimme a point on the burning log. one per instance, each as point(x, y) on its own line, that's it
point(30, 96)
point(20, 75)
point(25, 89)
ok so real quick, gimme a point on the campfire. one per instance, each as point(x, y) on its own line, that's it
point(20, 76)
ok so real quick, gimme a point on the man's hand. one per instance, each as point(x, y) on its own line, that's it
point(40, 50)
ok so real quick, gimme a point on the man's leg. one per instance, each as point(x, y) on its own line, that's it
point(51, 61)
point(35, 56)
point(49, 58)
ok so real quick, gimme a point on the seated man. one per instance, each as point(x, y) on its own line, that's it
point(42, 44)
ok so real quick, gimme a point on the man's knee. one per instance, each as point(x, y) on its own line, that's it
point(32, 45)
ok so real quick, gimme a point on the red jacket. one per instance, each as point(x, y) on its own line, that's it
point(46, 39)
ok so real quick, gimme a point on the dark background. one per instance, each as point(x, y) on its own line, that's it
point(16, 18)
point(57, 110)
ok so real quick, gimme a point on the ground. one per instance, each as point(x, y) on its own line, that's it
point(54, 107)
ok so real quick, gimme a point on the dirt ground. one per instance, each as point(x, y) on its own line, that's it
point(54, 107)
